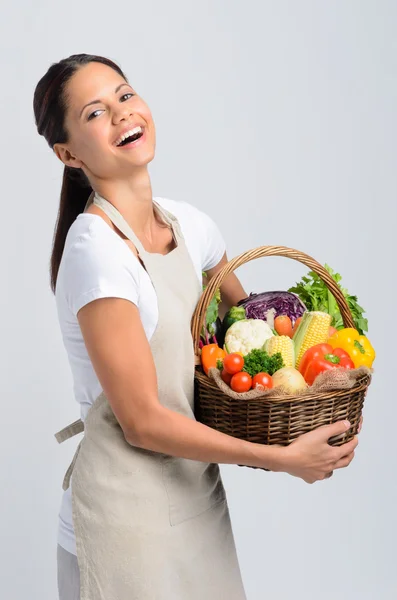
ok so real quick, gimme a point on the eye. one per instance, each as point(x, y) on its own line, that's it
point(92, 114)
point(128, 94)
point(98, 110)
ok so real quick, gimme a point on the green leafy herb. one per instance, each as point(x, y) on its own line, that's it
point(209, 330)
point(259, 361)
point(212, 312)
point(316, 296)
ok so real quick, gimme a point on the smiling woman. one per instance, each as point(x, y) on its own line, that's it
point(62, 102)
point(144, 513)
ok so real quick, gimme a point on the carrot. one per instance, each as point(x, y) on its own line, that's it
point(298, 320)
point(283, 325)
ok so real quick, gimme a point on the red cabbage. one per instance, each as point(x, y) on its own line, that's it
point(283, 303)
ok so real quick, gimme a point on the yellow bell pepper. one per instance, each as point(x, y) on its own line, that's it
point(357, 346)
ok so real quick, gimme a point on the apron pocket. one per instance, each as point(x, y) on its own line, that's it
point(192, 487)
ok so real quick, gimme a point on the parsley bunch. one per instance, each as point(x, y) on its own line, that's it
point(259, 361)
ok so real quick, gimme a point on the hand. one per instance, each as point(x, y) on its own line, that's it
point(311, 458)
point(358, 431)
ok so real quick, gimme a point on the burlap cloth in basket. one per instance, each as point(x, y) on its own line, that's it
point(333, 380)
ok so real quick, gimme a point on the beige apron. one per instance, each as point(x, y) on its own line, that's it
point(150, 526)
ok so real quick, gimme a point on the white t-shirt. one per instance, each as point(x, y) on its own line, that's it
point(97, 263)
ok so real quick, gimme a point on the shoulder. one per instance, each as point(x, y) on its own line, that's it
point(91, 242)
point(95, 263)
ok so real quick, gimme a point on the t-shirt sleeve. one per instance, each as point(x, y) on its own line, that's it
point(95, 270)
point(213, 244)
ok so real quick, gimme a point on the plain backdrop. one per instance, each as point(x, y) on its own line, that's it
point(279, 120)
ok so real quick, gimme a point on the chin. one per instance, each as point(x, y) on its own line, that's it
point(145, 159)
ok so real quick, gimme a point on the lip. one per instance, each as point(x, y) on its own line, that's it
point(132, 126)
point(137, 142)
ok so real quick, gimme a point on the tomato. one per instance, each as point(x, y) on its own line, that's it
point(226, 377)
point(263, 379)
point(241, 382)
point(283, 325)
point(233, 363)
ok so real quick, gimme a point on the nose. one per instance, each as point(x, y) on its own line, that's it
point(123, 112)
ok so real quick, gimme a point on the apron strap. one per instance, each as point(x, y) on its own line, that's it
point(69, 431)
point(65, 434)
point(117, 219)
point(68, 474)
point(89, 201)
point(171, 220)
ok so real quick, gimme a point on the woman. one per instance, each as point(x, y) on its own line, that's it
point(145, 514)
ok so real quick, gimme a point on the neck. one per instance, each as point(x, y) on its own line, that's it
point(132, 197)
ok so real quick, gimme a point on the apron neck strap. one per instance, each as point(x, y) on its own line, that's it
point(117, 219)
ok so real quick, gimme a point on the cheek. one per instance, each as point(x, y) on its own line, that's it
point(149, 119)
point(144, 110)
point(96, 140)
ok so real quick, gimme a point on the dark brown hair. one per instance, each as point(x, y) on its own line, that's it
point(50, 104)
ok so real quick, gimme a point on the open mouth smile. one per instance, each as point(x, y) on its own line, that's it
point(131, 138)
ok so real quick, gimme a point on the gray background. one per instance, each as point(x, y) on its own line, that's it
point(279, 120)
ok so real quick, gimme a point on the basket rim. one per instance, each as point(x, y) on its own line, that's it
point(215, 282)
point(361, 384)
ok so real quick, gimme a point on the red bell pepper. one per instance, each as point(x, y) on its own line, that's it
point(322, 357)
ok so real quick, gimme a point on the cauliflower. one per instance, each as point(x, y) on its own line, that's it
point(246, 335)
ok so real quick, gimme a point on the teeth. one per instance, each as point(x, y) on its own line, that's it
point(128, 134)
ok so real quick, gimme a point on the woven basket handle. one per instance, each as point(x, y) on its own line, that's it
point(206, 297)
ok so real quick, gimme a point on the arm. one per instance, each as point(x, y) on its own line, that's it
point(120, 353)
point(231, 289)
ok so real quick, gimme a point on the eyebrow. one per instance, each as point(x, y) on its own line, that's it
point(98, 101)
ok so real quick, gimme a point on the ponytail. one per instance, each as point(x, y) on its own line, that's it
point(75, 192)
point(50, 103)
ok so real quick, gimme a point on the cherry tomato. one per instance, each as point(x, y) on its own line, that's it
point(233, 363)
point(241, 382)
point(226, 377)
point(263, 379)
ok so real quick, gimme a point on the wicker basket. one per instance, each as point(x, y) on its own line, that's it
point(277, 420)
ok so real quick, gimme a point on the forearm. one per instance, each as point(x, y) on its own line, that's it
point(232, 290)
point(171, 433)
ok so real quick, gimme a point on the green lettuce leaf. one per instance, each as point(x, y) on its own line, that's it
point(316, 296)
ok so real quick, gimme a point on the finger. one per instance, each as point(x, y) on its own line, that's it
point(344, 462)
point(337, 428)
point(328, 475)
point(347, 448)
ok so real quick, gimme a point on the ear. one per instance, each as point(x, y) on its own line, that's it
point(65, 156)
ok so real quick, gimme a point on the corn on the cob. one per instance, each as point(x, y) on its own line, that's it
point(312, 330)
point(284, 345)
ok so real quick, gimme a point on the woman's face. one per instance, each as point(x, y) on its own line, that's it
point(94, 130)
